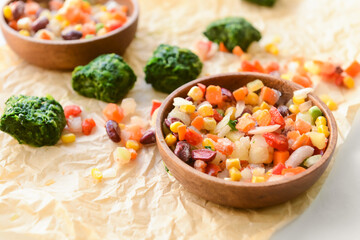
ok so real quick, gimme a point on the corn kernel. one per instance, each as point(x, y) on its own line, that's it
point(312, 67)
point(235, 174)
point(254, 85)
point(325, 98)
point(264, 106)
point(78, 27)
point(7, 13)
point(294, 108)
point(233, 162)
point(122, 155)
point(59, 17)
point(122, 126)
point(96, 174)
point(255, 109)
point(187, 108)
point(209, 123)
point(25, 33)
point(209, 142)
point(298, 100)
point(103, 8)
point(324, 129)
point(320, 121)
point(349, 82)
point(286, 76)
point(252, 99)
point(332, 105)
point(65, 24)
point(170, 139)
point(196, 93)
point(205, 111)
point(68, 138)
point(132, 144)
point(272, 48)
point(246, 115)
point(231, 111)
point(174, 126)
point(257, 179)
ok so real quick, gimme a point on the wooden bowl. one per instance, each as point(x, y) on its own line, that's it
point(65, 55)
point(241, 194)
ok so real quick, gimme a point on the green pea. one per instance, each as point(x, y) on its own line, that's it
point(315, 112)
point(99, 26)
point(89, 36)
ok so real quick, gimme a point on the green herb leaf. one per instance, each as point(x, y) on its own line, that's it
point(221, 112)
point(208, 147)
point(232, 124)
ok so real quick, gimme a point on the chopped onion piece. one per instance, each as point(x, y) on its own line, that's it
point(225, 130)
point(203, 104)
point(74, 124)
point(129, 106)
point(180, 115)
point(302, 93)
point(109, 173)
point(264, 129)
point(178, 101)
point(223, 123)
point(305, 106)
point(299, 155)
point(240, 106)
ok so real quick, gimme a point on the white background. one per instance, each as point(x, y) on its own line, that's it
point(335, 213)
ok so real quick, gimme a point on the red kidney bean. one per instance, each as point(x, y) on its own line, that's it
point(71, 35)
point(189, 99)
point(200, 165)
point(227, 96)
point(113, 130)
point(39, 23)
point(170, 120)
point(283, 110)
point(205, 155)
point(217, 116)
point(182, 151)
point(148, 137)
point(19, 9)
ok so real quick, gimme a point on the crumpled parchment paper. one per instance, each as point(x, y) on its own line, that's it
point(48, 193)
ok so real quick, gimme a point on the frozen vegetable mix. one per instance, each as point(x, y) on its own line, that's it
point(248, 134)
point(170, 67)
point(267, 3)
point(232, 32)
point(36, 121)
point(108, 78)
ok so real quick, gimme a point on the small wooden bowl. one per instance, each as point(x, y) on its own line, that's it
point(241, 194)
point(65, 55)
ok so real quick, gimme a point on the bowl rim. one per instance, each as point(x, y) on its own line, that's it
point(130, 21)
point(215, 180)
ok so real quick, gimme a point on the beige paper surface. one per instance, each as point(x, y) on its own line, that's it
point(48, 193)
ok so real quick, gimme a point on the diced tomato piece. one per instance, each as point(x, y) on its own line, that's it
point(272, 67)
point(113, 112)
point(113, 24)
point(217, 116)
point(245, 124)
point(202, 87)
point(212, 169)
point(295, 171)
point(225, 146)
point(302, 80)
point(87, 125)
point(269, 95)
point(354, 69)
point(259, 67)
point(277, 141)
point(302, 126)
point(301, 141)
point(72, 110)
point(88, 28)
point(278, 169)
point(155, 105)
point(246, 66)
point(213, 137)
point(339, 80)
point(192, 137)
point(276, 117)
point(135, 132)
point(203, 49)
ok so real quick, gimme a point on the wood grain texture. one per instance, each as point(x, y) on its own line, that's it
point(241, 194)
point(65, 55)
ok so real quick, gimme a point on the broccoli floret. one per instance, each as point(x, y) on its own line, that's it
point(170, 67)
point(36, 121)
point(267, 3)
point(232, 31)
point(108, 78)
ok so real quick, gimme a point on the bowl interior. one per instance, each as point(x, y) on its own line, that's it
point(233, 81)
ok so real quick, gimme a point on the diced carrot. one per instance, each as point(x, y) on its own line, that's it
point(238, 51)
point(222, 47)
point(193, 115)
point(272, 67)
point(202, 87)
point(13, 24)
point(240, 93)
point(259, 67)
point(213, 137)
point(295, 171)
point(198, 122)
point(225, 146)
point(133, 153)
point(155, 105)
point(113, 112)
point(302, 126)
point(263, 118)
point(303, 140)
point(269, 95)
point(135, 132)
point(293, 135)
point(353, 69)
point(245, 124)
point(182, 132)
point(88, 28)
point(246, 66)
point(213, 94)
point(244, 164)
point(292, 116)
point(280, 157)
point(302, 80)
point(31, 8)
